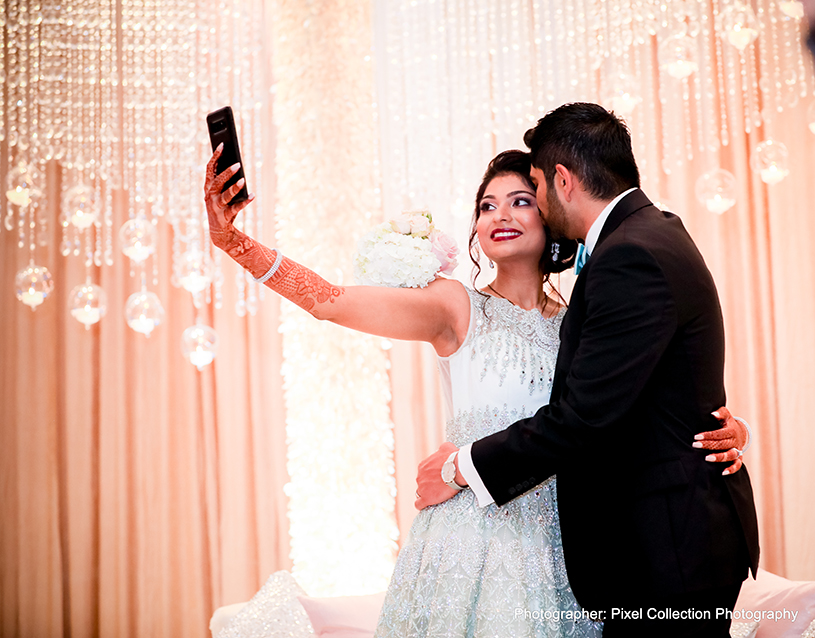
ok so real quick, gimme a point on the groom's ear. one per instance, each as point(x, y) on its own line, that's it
point(565, 182)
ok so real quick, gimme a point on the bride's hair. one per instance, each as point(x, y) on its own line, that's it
point(519, 163)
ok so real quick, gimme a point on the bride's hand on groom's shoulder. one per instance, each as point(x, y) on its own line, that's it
point(730, 440)
point(430, 488)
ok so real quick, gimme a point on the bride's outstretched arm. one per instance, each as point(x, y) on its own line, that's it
point(438, 314)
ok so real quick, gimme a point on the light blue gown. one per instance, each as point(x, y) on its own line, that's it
point(468, 571)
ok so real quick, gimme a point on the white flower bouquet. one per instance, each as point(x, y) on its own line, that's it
point(406, 252)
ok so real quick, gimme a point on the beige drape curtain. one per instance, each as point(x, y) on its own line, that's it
point(761, 258)
point(137, 494)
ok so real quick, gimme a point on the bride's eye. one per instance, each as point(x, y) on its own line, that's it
point(486, 207)
point(523, 201)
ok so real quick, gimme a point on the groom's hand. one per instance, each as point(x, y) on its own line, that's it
point(430, 489)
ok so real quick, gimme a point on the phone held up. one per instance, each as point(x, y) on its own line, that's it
point(221, 126)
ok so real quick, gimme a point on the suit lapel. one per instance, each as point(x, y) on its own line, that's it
point(631, 203)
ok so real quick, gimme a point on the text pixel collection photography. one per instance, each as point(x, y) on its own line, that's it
point(652, 613)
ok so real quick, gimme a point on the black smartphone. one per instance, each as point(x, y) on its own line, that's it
point(221, 125)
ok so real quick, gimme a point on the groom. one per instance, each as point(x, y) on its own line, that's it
point(653, 536)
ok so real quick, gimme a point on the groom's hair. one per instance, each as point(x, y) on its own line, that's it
point(591, 142)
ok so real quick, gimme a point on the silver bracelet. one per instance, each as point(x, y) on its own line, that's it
point(268, 274)
point(749, 433)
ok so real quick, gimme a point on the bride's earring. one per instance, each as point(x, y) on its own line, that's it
point(492, 265)
point(555, 251)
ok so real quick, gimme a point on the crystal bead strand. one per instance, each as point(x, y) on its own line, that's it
point(550, 59)
point(576, 18)
point(686, 115)
point(3, 86)
point(776, 60)
point(746, 93)
point(540, 61)
point(530, 110)
point(482, 113)
point(702, 109)
point(790, 38)
point(718, 60)
point(706, 106)
point(458, 96)
point(644, 114)
point(500, 52)
point(754, 113)
point(732, 85)
point(561, 46)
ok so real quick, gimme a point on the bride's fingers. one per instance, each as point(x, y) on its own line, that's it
point(735, 467)
point(722, 457)
point(733, 454)
point(214, 184)
point(237, 208)
point(213, 161)
point(227, 195)
point(716, 444)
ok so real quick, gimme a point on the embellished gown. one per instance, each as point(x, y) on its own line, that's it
point(468, 571)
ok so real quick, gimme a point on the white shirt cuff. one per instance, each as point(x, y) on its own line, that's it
point(470, 474)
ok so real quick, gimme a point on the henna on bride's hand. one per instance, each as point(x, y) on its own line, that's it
point(303, 286)
point(732, 437)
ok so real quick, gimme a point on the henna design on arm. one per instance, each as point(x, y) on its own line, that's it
point(293, 281)
point(303, 286)
point(250, 254)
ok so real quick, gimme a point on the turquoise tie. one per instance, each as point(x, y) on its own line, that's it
point(581, 258)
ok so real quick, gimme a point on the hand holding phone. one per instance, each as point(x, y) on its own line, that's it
point(221, 126)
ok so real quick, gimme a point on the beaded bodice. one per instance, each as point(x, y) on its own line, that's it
point(502, 372)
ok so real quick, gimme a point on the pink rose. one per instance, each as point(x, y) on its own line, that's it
point(401, 224)
point(445, 250)
point(419, 225)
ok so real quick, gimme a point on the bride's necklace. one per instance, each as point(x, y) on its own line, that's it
point(509, 300)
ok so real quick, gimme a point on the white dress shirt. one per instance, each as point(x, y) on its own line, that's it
point(466, 467)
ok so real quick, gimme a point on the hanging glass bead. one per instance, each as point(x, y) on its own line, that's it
point(769, 160)
point(33, 284)
point(716, 190)
point(622, 95)
point(737, 23)
point(88, 303)
point(199, 344)
point(19, 184)
point(138, 237)
point(195, 273)
point(677, 56)
point(81, 207)
point(143, 312)
point(792, 8)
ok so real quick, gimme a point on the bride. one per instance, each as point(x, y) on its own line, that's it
point(466, 570)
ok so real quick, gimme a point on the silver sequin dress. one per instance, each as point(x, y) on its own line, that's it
point(467, 571)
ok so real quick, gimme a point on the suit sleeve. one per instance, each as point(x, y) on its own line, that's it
point(629, 321)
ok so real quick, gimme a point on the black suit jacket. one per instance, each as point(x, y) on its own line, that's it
point(640, 370)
